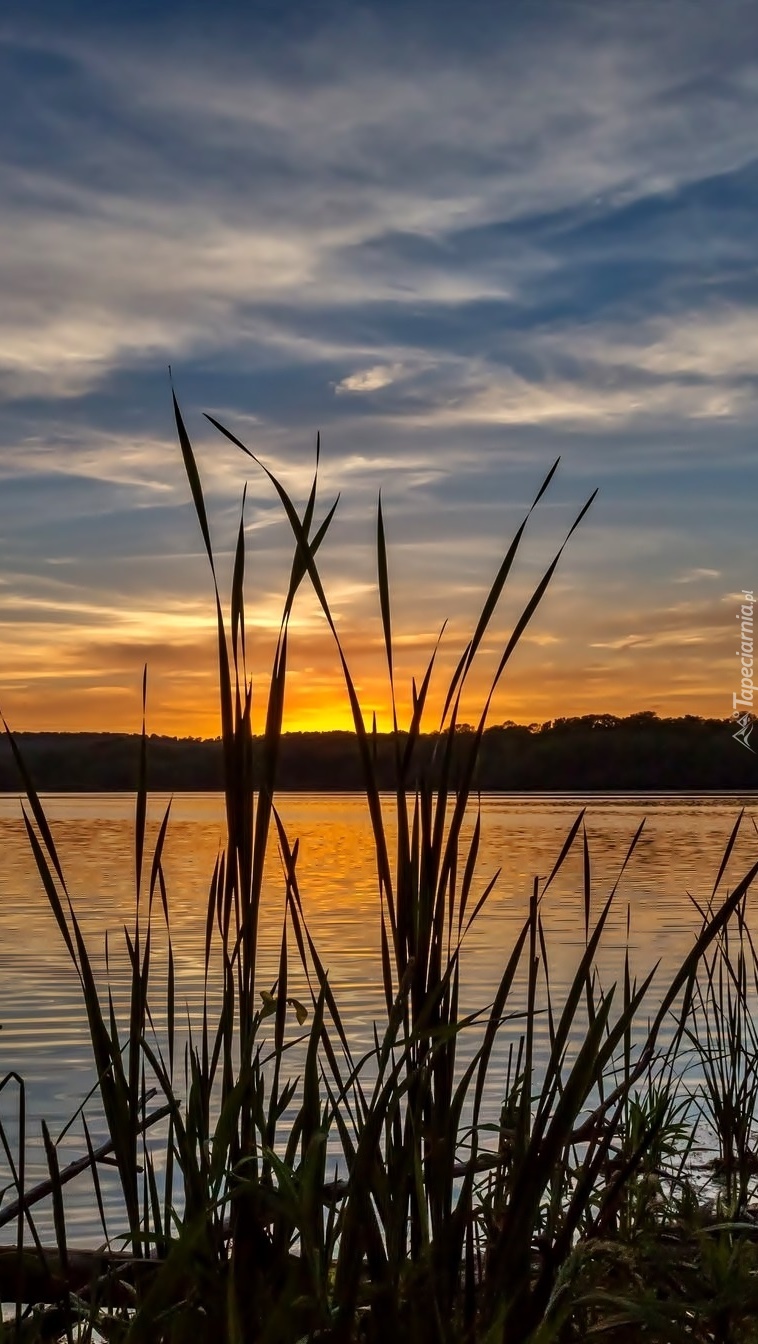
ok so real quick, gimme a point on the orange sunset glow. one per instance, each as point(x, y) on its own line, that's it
point(72, 677)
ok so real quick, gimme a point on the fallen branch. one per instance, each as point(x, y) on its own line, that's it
point(37, 1277)
point(45, 1188)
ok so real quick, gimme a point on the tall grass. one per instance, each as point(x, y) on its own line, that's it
point(377, 1198)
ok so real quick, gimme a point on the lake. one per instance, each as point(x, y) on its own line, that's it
point(43, 1034)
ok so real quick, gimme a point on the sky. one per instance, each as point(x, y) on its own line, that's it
point(459, 241)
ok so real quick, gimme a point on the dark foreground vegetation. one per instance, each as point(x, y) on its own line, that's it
point(594, 752)
point(381, 1198)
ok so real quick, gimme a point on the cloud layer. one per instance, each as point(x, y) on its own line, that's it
point(458, 244)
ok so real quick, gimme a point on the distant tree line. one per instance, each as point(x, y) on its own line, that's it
point(593, 752)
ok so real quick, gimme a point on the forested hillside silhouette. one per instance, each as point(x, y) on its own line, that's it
point(594, 752)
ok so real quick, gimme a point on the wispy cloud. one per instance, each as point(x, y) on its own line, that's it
point(371, 380)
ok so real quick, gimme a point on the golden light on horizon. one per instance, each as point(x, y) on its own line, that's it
point(66, 679)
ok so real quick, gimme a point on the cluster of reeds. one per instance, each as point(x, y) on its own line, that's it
point(377, 1198)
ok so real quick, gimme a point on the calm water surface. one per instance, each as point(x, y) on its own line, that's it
point(43, 1033)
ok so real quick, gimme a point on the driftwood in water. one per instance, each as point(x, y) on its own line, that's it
point(45, 1188)
point(45, 1276)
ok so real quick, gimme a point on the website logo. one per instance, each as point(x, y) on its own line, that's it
point(742, 701)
